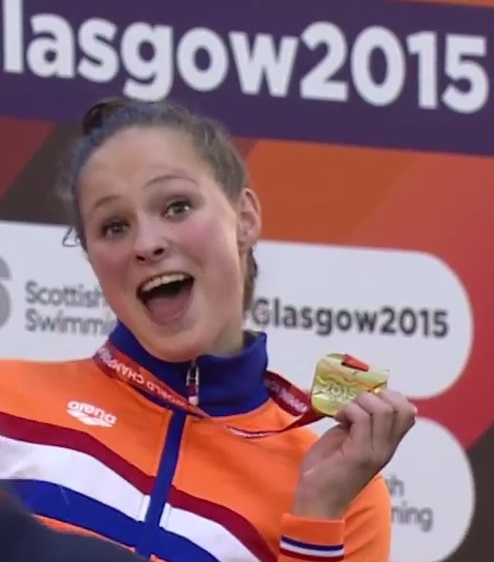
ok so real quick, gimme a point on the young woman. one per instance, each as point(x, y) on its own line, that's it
point(171, 440)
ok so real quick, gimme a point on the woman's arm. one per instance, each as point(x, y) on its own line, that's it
point(364, 534)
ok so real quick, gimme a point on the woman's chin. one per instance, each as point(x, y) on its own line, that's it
point(180, 347)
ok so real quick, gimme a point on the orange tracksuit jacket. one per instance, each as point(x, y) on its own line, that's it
point(90, 453)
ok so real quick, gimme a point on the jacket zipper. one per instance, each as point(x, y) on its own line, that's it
point(167, 467)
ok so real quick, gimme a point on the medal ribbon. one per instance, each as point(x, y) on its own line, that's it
point(288, 397)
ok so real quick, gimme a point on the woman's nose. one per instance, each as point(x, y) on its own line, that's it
point(149, 245)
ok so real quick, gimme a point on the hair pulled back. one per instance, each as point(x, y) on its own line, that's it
point(212, 142)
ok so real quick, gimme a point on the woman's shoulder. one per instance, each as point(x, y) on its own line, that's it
point(14, 371)
point(26, 384)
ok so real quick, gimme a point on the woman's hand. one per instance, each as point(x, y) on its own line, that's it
point(342, 462)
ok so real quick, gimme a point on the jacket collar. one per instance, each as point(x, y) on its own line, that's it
point(227, 385)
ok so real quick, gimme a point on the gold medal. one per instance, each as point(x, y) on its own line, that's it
point(339, 378)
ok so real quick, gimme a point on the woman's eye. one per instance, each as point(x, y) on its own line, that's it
point(113, 228)
point(178, 208)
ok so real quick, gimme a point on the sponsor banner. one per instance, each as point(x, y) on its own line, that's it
point(55, 313)
point(396, 309)
point(355, 72)
point(430, 521)
point(51, 306)
point(389, 320)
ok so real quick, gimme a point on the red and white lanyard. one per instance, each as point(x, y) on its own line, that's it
point(290, 398)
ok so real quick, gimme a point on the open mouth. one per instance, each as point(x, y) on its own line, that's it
point(166, 296)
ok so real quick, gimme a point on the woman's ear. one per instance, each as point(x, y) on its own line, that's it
point(249, 220)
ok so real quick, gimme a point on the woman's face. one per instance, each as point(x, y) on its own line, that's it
point(166, 244)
